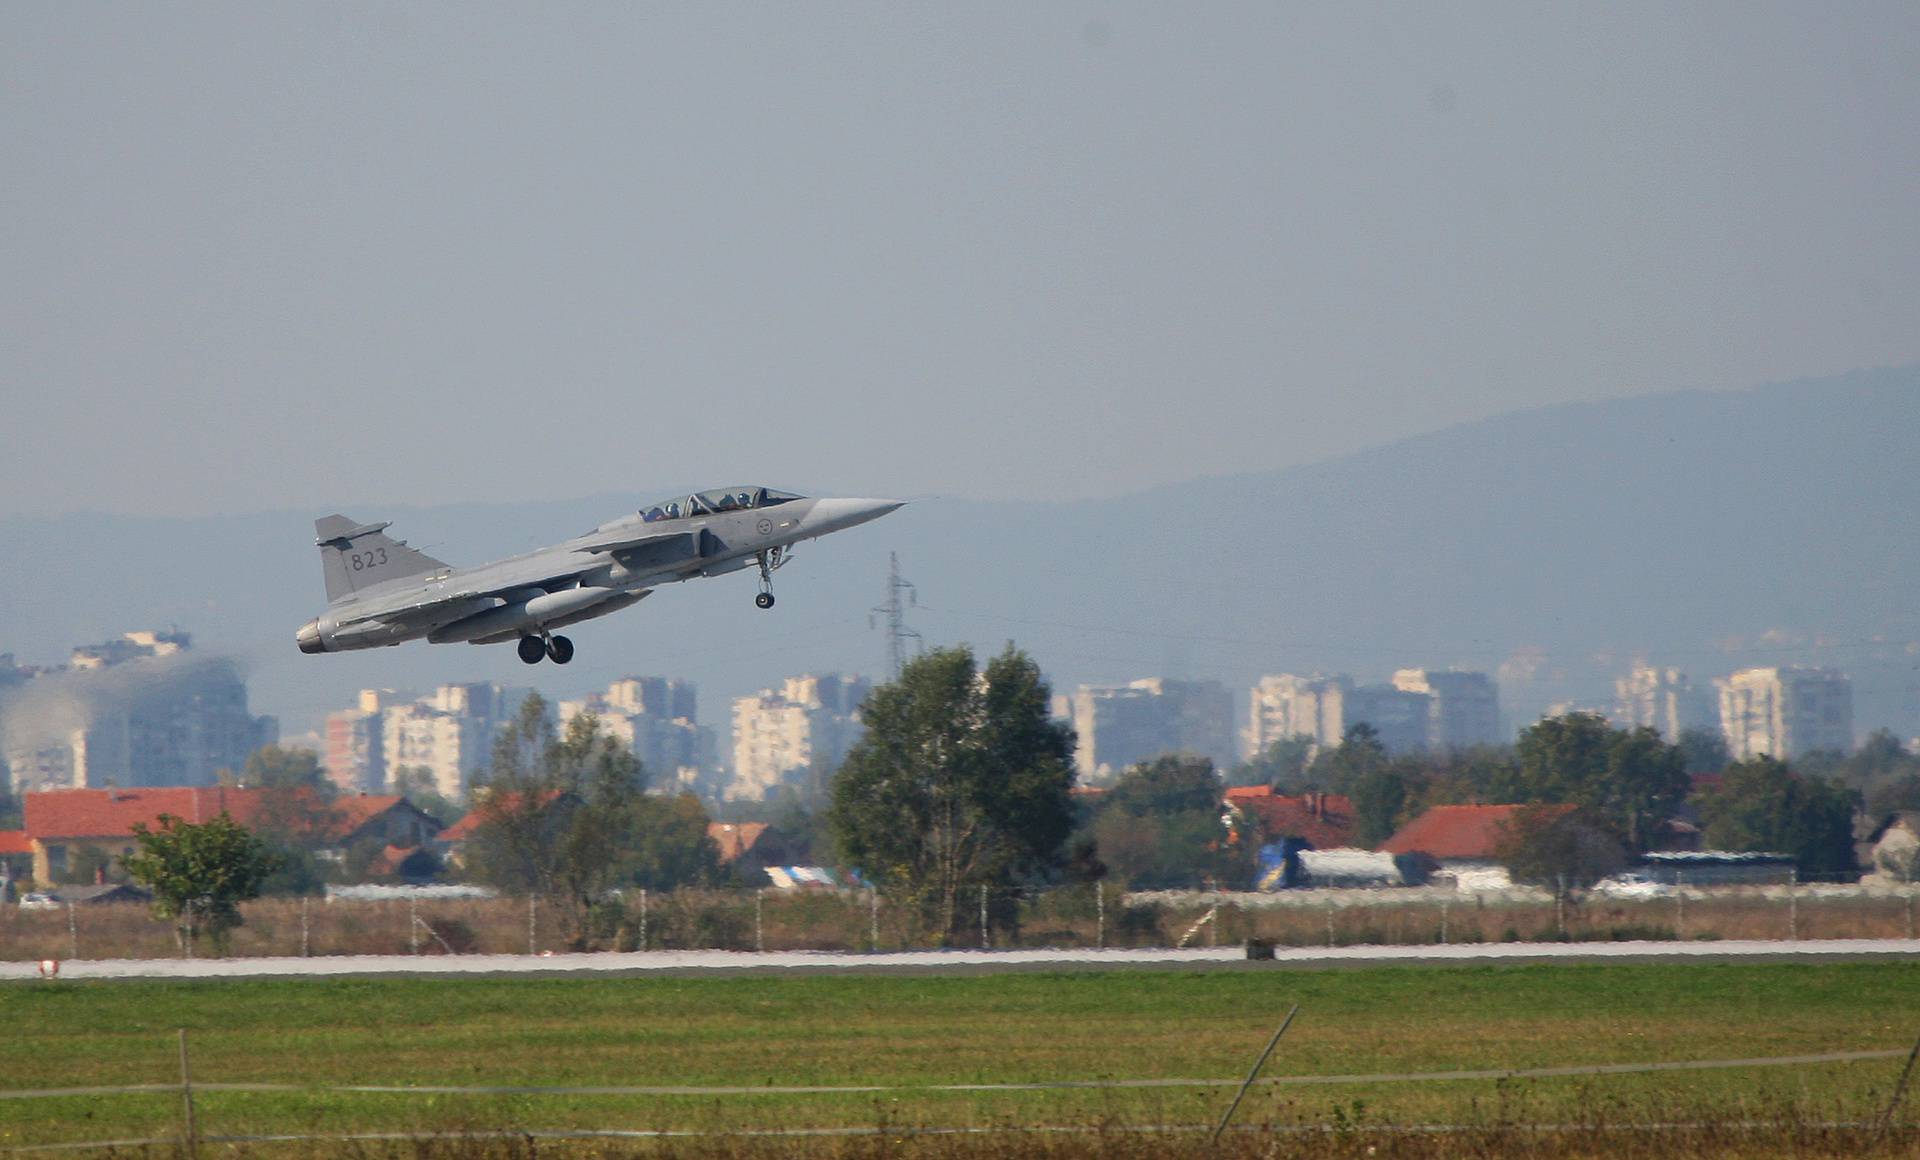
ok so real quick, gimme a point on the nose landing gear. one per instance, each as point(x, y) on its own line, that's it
point(557, 649)
point(770, 562)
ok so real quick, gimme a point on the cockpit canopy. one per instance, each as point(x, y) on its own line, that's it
point(720, 499)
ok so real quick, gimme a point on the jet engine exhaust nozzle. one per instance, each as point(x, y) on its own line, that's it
point(309, 638)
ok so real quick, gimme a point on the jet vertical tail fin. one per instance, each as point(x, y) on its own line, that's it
point(355, 556)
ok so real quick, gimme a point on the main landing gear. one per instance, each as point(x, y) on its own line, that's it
point(557, 649)
point(770, 562)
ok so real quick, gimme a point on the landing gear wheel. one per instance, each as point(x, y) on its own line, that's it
point(532, 648)
point(764, 600)
point(559, 650)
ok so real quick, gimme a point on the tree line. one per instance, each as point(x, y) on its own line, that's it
point(962, 781)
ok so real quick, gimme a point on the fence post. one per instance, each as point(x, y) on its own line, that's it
point(1899, 1089)
point(73, 934)
point(1329, 922)
point(413, 925)
point(1560, 904)
point(1257, 1065)
point(759, 902)
point(1100, 915)
point(643, 918)
point(186, 1097)
point(305, 944)
point(1793, 904)
point(1909, 911)
point(530, 926)
point(1443, 922)
point(1679, 904)
point(190, 928)
point(984, 943)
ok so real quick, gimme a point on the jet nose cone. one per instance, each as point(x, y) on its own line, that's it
point(832, 515)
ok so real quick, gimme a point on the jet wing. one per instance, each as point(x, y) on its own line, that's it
point(541, 570)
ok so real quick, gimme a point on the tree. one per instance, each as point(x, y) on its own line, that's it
point(1630, 777)
point(1565, 847)
point(1359, 753)
point(200, 873)
point(1282, 765)
point(1380, 797)
point(272, 767)
point(1703, 750)
point(561, 814)
point(962, 780)
point(1160, 827)
point(671, 846)
point(1761, 804)
point(416, 783)
point(566, 817)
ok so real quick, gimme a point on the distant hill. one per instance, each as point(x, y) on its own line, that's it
point(1704, 530)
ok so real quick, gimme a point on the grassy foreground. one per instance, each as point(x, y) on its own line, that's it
point(907, 1034)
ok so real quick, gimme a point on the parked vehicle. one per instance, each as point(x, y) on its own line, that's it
point(1632, 886)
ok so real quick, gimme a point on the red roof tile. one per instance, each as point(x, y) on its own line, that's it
point(481, 814)
point(14, 842)
point(112, 813)
point(1324, 820)
point(735, 838)
point(1454, 831)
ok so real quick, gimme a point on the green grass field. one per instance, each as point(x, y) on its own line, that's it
point(907, 1034)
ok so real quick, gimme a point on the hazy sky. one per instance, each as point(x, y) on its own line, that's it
point(259, 256)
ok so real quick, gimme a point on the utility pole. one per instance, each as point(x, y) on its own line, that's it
point(895, 611)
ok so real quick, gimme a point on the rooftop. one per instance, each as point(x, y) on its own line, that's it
point(1454, 831)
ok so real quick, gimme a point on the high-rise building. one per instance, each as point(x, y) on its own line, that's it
point(1786, 712)
point(1664, 700)
point(448, 735)
point(1398, 717)
point(806, 728)
point(354, 743)
point(654, 716)
point(1324, 708)
point(1285, 706)
point(138, 711)
point(1463, 709)
point(1121, 725)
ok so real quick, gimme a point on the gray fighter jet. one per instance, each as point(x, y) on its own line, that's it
point(381, 592)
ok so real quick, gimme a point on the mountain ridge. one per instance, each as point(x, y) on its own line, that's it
point(1709, 529)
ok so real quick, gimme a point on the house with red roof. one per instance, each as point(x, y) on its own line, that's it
point(451, 842)
point(61, 824)
point(16, 859)
point(1323, 821)
point(1461, 839)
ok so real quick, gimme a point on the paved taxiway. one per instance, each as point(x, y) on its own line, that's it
point(815, 962)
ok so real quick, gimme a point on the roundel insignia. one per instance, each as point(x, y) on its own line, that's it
point(765, 527)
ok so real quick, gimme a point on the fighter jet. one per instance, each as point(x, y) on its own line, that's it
point(381, 592)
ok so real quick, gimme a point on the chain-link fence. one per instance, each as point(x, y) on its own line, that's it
point(1071, 917)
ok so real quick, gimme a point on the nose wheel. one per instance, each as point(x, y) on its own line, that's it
point(769, 560)
point(557, 649)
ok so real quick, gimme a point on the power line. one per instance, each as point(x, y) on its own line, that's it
point(895, 611)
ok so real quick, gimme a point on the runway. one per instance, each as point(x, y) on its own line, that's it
point(643, 963)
